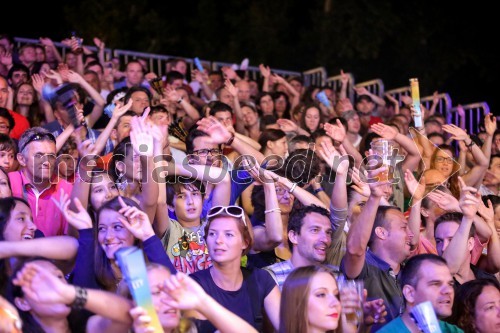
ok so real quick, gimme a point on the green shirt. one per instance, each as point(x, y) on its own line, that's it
point(398, 326)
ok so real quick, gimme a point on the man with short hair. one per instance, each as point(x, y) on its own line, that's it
point(424, 278)
point(37, 183)
point(385, 230)
point(309, 237)
point(18, 74)
point(134, 75)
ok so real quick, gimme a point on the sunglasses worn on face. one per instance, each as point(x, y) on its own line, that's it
point(38, 137)
point(234, 211)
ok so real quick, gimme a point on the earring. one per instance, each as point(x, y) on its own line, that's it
point(121, 182)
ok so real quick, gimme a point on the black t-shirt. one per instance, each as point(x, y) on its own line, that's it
point(239, 301)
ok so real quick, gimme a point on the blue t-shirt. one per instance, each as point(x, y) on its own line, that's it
point(239, 301)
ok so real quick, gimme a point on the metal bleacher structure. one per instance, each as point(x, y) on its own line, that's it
point(474, 112)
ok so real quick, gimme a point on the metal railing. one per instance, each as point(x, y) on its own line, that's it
point(444, 103)
point(316, 76)
point(375, 86)
point(335, 82)
point(474, 116)
point(61, 47)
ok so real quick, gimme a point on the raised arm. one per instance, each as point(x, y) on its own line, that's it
point(477, 172)
point(99, 102)
point(240, 125)
point(142, 136)
point(412, 159)
point(360, 231)
point(268, 237)
point(417, 191)
point(454, 253)
point(221, 135)
point(344, 84)
point(266, 73)
point(338, 134)
point(173, 96)
point(492, 261)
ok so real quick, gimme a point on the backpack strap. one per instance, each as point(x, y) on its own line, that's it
point(254, 292)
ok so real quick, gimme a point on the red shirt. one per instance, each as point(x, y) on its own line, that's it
point(21, 125)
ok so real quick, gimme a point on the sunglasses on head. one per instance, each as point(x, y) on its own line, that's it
point(234, 211)
point(38, 137)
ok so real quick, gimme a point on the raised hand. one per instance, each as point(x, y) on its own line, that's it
point(229, 73)
point(219, 134)
point(99, 43)
point(469, 199)
point(344, 78)
point(336, 132)
point(80, 219)
point(135, 221)
point(74, 77)
point(265, 71)
point(416, 189)
point(278, 79)
point(378, 187)
point(41, 285)
point(200, 76)
point(386, 132)
point(53, 75)
point(287, 126)
point(142, 140)
point(259, 174)
point(231, 88)
point(361, 91)
point(37, 81)
point(445, 201)
point(45, 41)
point(172, 94)
point(407, 100)
point(121, 109)
point(358, 185)
point(391, 99)
point(435, 97)
point(490, 124)
point(332, 157)
point(487, 213)
point(185, 293)
point(456, 132)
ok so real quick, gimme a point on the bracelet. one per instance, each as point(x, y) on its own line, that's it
point(292, 188)
point(472, 143)
point(272, 210)
point(80, 298)
point(230, 141)
point(316, 191)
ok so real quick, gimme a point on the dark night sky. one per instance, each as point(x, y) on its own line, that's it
point(473, 29)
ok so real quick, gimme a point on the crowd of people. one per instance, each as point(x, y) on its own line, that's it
point(260, 206)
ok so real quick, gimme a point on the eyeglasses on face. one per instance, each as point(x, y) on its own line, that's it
point(38, 137)
point(234, 211)
point(441, 159)
point(205, 152)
